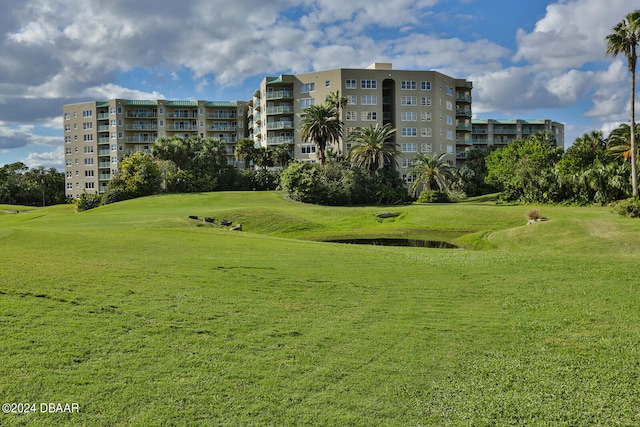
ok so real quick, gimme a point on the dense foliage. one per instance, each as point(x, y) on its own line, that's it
point(137, 176)
point(20, 185)
point(338, 183)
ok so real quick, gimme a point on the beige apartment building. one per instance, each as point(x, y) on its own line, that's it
point(502, 132)
point(431, 111)
point(98, 134)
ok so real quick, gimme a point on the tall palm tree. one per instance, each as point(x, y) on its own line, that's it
point(320, 126)
point(625, 39)
point(431, 171)
point(338, 102)
point(373, 147)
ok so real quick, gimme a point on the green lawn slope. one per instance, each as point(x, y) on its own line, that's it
point(143, 316)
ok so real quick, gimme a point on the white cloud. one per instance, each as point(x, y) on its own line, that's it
point(48, 159)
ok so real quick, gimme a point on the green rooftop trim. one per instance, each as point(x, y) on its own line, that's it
point(533, 122)
point(220, 104)
point(181, 104)
point(273, 80)
point(102, 104)
point(140, 102)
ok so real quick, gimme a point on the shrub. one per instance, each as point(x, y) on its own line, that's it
point(432, 196)
point(533, 215)
point(628, 207)
point(87, 201)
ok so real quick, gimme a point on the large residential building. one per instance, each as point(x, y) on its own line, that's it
point(430, 110)
point(502, 132)
point(98, 134)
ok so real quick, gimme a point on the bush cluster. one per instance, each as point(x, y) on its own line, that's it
point(628, 207)
point(338, 184)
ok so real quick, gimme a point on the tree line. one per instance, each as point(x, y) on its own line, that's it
point(20, 185)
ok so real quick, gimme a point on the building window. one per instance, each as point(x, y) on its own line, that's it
point(68, 151)
point(425, 101)
point(67, 116)
point(369, 116)
point(408, 85)
point(89, 185)
point(449, 105)
point(87, 125)
point(368, 84)
point(352, 100)
point(425, 85)
point(67, 128)
point(449, 134)
point(449, 120)
point(119, 110)
point(307, 87)
point(350, 84)
point(426, 132)
point(351, 116)
point(114, 147)
point(369, 100)
point(87, 113)
point(409, 116)
point(426, 147)
point(308, 149)
point(201, 111)
point(120, 135)
point(449, 90)
point(88, 173)
point(88, 150)
point(69, 174)
point(114, 135)
point(114, 159)
point(67, 139)
point(69, 162)
point(327, 83)
point(88, 162)
point(409, 100)
point(410, 132)
point(307, 102)
point(88, 138)
point(407, 163)
point(69, 186)
point(410, 147)
point(450, 149)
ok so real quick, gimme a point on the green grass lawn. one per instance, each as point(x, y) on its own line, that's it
point(145, 317)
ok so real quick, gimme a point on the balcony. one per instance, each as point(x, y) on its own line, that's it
point(277, 140)
point(230, 128)
point(461, 97)
point(182, 127)
point(280, 125)
point(462, 154)
point(183, 115)
point(104, 152)
point(104, 176)
point(480, 131)
point(142, 126)
point(104, 164)
point(463, 141)
point(140, 139)
point(281, 94)
point(103, 116)
point(284, 109)
point(480, 141)
point(504, 131)
point(463, 112)
point(222, 115)
point(103, 128)
point(464, 126)
point(103, 140)
point(141, 115)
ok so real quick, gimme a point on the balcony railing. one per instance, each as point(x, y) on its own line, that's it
point(103, 128)
point(464, 126)
point(104, 152)
point(280, 125)
point(222, 115)
point(280, 94)
point(191, 115)
point(504, 131)
point(103, 140)
point(463, 112)
point(141, 115)
point(480, 131)
point(140, 139)
point(463, 97)
point(140, 126)
point(480, 141)
point(104, 164)
point(103, 116)
point(461, 154)
point(464, 141)
point(277, 140)
point(223, 128)
point(181, 127)
point(284, 109)
point(104, 176)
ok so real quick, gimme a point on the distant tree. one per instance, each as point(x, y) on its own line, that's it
point(34, 187)
point(524, 171)
point(137, 176)
point(245, 151)
point(281, 154)
point(373, 147)
point(625, 39)
point(321, 127)
point(618, 143)
point(338, 102)
point(431, 171)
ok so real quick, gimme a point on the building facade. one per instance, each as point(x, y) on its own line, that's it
point(430, 111)
point(98, 134)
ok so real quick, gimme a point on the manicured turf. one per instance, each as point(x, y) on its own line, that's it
point(143, 316)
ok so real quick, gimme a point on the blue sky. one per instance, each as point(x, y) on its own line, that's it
point(528, 59)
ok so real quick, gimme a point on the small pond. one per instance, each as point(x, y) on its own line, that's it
point(397, 242)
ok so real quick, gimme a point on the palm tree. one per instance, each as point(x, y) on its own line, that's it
point(619, 141)
point(245, 151)
point(373, 147)
point(338, 102)
point(281, 154)
point(431, 171)
point(320, 126)
point(625, 39)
